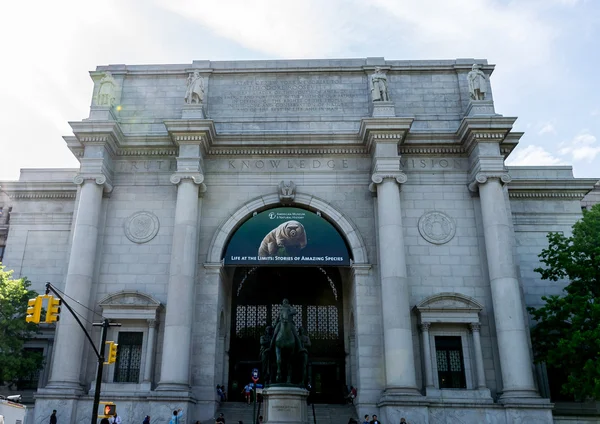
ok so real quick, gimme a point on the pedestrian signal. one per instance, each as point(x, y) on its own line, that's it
point(110, 409)
point(112, 352)
point(52, 314)
point(34, 310)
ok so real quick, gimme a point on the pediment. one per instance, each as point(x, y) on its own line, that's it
point(449, 302)
point(131, 299)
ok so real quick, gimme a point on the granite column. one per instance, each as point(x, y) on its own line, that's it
point(400, 374)
point(175, 368)
point(70, 339)
point(511, 329)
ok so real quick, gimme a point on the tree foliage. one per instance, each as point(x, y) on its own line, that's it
point(16, 363)
point(567, 334)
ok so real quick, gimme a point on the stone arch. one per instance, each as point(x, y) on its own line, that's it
point(347, 229)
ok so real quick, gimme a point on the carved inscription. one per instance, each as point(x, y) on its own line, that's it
point(330, 164)
point(315, 94)
point(287, 164)
point(136, 166)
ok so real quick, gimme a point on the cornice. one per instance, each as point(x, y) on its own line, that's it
point(378, 129)
point(547, 195)
point(192, 131)
point(430, 150)
point(510, 142)
point(39, 190)
point(138, 151)
point(299, 150)
point(106, 133)
point(473, 130)
point(575, 188)
point(296, 66)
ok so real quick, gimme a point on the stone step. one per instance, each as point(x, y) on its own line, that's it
point(325, 413)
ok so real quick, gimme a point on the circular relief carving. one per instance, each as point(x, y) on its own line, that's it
point(141, 227)
point(437, 227)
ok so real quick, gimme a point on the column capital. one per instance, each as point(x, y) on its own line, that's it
point(152, 323)
point(195, 177)
point(475, 327)
point(483, 177)
point(379, 177)
point(99, 179)
point(425, 326)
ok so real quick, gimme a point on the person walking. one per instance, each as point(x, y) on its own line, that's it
point(366, 421)
point(115, 419)
point(248, 392)
point(221, 418)
point(146, 420)
point(375, 420)
point(53, 417)
point(177, 414)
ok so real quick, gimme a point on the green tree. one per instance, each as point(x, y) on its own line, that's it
point(16, 363)
point(567, 334)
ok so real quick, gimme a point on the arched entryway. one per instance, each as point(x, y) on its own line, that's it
point(255, 290)
point(316, 293)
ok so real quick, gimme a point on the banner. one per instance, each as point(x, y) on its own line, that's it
point(287, 236)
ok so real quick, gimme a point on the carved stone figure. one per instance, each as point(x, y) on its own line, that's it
point(195, 89)
point(287, 343)
point(379, 86)
point(265, 344)
point(477, 83)
point(284, 240)
point(305, 344)
point(287, 192)
point(106, 92)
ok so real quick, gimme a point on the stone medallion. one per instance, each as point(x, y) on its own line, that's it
point(437, 227)
point(141, 227)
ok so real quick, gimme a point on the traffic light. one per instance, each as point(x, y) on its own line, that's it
point(52, 314)
point(112, 352)
point(34, 309)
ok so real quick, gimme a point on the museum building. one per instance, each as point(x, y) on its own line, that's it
point(371, 193)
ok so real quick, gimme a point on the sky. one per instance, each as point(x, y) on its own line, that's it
point(546, 52)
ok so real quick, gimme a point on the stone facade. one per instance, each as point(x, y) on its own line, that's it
point(443, 236)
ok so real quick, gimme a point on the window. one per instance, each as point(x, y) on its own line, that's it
point(129, 357)
point(450, 362)
point(1, 252)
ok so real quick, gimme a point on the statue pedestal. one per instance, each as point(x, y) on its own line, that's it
point(193, 111)
point(285, 405)
point(102, 113)
point(481, 107)
point(383, 110)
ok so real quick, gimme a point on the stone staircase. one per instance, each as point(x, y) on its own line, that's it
point(326, 414)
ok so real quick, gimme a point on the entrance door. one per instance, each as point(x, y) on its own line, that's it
point(317, 296)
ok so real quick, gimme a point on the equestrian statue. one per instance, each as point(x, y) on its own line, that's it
point(291, 356)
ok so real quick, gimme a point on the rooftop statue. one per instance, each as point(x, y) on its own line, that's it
point(195, 89)
point(477, 83)
point(379, 86)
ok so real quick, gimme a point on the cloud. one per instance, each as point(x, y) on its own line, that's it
point(582, 147)
point(547, 128)
point(515, 33)
point(595, 112)
point(533, 155)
